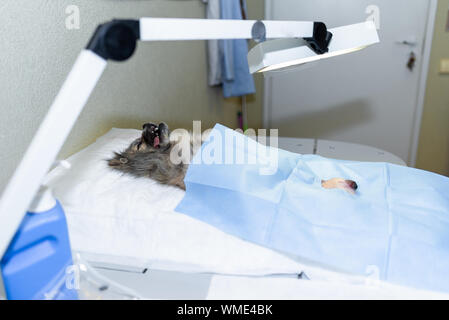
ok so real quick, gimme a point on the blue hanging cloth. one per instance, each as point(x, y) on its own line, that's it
point(397, 223)
point(236, 78)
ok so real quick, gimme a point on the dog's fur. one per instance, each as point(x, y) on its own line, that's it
point(149, 156)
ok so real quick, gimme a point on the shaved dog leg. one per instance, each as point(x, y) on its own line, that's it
point(338, 183)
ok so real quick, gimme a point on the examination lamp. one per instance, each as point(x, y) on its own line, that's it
point(117, 40)
point(285, 53)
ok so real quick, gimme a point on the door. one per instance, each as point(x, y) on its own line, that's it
point(369, 97)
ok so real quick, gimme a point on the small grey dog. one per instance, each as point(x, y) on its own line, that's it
point(149, 156)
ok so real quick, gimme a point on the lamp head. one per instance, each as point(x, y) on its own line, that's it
point(285, 53)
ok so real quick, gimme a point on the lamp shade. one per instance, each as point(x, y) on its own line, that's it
point(284, 53)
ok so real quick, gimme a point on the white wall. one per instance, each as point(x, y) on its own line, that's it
point(163, 81)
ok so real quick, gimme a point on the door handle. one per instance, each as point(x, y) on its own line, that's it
point(407, 43)
point(411, 42)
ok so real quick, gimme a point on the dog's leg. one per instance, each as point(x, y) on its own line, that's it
point(338, 183)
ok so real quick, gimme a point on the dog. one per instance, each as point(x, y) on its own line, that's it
point(149, 156)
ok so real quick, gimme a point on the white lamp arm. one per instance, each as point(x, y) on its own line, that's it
point(162, 29)
point(117, 39)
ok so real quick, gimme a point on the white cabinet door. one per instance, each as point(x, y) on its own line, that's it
point(369, 97)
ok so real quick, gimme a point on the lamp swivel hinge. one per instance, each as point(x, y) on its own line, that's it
point(259, 32)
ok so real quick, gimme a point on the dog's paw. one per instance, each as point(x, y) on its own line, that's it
point(339, 183)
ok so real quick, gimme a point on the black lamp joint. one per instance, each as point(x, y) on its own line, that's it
point(115, 40)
